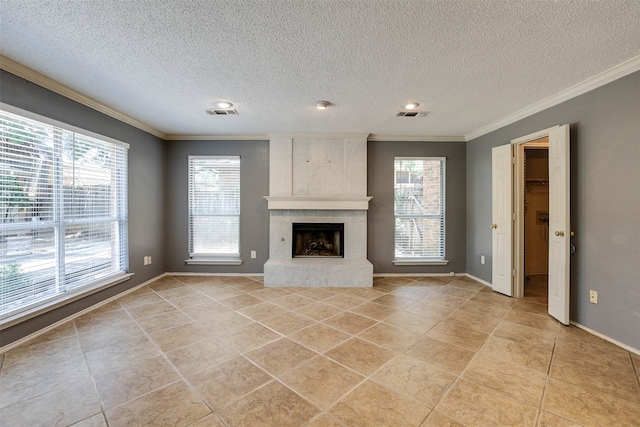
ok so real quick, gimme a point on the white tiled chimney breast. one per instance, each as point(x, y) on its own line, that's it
point(318, 179)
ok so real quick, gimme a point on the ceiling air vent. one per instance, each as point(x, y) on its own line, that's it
point(222, 112)
point(411, 113)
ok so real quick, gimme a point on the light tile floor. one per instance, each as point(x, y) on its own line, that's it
point(225, 351)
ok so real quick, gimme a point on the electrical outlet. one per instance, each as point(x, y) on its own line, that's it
point(593, 297)
point(481, 259)
point(253, 254)
point(451, 273)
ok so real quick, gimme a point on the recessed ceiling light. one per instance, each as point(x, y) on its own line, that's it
point(321, 105)
point(224, 104)
point(411, 105)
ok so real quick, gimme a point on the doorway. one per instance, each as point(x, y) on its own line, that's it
point(508, 217)
point(535, 221)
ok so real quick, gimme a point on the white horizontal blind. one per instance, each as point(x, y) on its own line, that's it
point(419, 208)
point(95, 209)
point(63, 212)
point(214, 206)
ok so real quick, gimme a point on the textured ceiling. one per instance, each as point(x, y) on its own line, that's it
point(470, 63)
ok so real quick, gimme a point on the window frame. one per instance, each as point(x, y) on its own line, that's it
point(418, 260)
point(212, 258)
point(65, 289)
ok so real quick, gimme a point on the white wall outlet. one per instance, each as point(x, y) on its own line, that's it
point(253, 254)
point(481, 259)
point(593, 297)
point(147, 260)
point(451, 273)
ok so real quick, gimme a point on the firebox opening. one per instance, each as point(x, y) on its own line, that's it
point(318, 240)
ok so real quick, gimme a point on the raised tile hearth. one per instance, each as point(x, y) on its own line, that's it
point(318, 272)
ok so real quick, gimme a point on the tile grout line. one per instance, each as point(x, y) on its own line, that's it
point(191, 386)
point(370, 377)
point(273, 377)
point(445, 392)
point(91, 378)
point(166, 358)
point(351, 336)
point(636, 369)
point(459, 376)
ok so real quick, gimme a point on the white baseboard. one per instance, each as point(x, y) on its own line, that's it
point(46, 329)
point(417, 274)
point(188, 273)
point(477, 279)
point(606, 338)
point(591, 331)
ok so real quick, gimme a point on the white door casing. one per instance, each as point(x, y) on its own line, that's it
point(502, 219)
point(559, 223)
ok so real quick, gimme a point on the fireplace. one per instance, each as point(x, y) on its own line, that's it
point(318, 211)
point(318, 240)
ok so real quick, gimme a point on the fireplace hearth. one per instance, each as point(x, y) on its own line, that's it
point(319, 240)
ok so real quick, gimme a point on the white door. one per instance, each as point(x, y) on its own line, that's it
point(559, 226)
point(502, 219)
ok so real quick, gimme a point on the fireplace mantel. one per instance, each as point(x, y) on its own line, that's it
point(318, 203)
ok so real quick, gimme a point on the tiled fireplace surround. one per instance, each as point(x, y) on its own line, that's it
point(318, 179)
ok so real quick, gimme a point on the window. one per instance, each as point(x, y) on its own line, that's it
point(214, 210)
point(419, 209)
point(63, 212)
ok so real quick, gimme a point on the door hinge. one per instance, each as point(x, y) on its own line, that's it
point(513, 272)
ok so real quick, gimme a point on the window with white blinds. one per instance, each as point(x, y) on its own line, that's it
point(214, 207)
point(63, 212)
point(419, 208)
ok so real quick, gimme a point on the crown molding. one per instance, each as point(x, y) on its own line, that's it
point(35, 77)
point(621, 70)
point(240, 137)
point(263, 137)
point(412, 138)
point(315, 135)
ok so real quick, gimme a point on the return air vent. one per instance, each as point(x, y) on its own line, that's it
point(411, 113)
point(222, 112)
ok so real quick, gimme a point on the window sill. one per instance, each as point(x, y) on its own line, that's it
point(419, 261)
point(59, 301)
point(213, 261)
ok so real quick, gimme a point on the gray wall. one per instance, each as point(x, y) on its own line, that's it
point(605, 203)
point(146, 190)
point(254, 216)
point(380, 233)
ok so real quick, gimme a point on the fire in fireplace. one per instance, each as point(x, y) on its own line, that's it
point(318, 240)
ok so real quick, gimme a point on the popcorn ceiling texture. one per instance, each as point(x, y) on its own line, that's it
point(470, 63)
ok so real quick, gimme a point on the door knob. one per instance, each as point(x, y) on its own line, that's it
point(494, 225)
point(559, 233)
